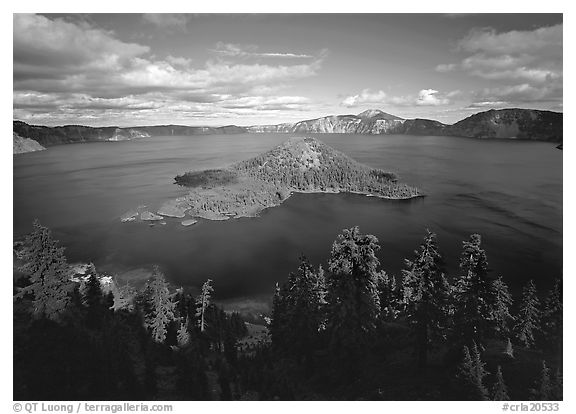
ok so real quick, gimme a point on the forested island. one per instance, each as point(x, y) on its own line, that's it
point(244, 189)
point(344, 330)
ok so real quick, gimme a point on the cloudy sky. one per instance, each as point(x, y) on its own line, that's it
point(145, 69)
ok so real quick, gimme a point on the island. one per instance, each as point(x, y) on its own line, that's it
point(299, 165)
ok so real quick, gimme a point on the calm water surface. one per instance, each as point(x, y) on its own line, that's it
point(510, 192)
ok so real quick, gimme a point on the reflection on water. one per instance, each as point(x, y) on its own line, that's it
point(510, 192)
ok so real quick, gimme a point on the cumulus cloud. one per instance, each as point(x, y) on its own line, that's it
point(64, 69)
point(430, 97)
point(45, 48)
point(425, 97)
point(365, 97)
point(526, 65)
point(513, 42)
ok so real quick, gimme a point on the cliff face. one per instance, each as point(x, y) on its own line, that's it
point(280, 128)
point(511, 123)
point(127, 134)
point(504, 123)
point(23, 145)
point(75, 133)
point(368, 122)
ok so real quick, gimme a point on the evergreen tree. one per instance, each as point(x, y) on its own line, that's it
point(278, 321)
point(93, 300)
point(425, 296)
point(123, 297)
point(552, 313)
point(528, 320)
point(183, 337)
point(389, 295)
point(544, 390)
point(302, 297)
point(471, 372)
point(501, 307)
point(48, 272)
point(480, 371)
point(474, 293)
point(202, 302)
point(352, 291)
point(499, 390)
point(161, 307)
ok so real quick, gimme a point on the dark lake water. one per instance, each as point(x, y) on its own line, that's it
point(508, 191)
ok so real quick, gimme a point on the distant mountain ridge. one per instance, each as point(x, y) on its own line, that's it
point(528, 124)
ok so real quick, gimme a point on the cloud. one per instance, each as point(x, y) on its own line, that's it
point(244, 51)
point(365, 97)
point(53, 49)
point(168, 21)
point(447, 67)
point(487, 104)
point(526, 65)
point(430, 97)
point(524, 93)
point(487, 40)
point(64, 70)
point(425, 97)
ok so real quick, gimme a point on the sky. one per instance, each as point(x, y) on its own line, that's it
point(221, 69)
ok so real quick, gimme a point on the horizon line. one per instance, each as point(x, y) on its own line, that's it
point(281, 123)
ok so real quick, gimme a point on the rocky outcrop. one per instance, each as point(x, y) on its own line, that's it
point(280, 128)
point(127, 134)
point(23, 145)
point(148, 216)
point(504, 123)
point(368, 122)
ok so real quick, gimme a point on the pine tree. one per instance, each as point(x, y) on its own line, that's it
point(471, 372)
point(479, 371)
point(501, 307)
point(474, 294)
point(528, 320)
point(183, 337)
point(425, 295)
point(278, 321)
point(161, 307)
point(552, 313)
point(48, 272)
point(302, 297)
point(202, 303)
point(389, 295)
point(544, 390)
point(499, 390)
point(93, 300)
point(352, 291)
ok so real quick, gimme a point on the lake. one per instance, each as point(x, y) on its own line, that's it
point(508, 191)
